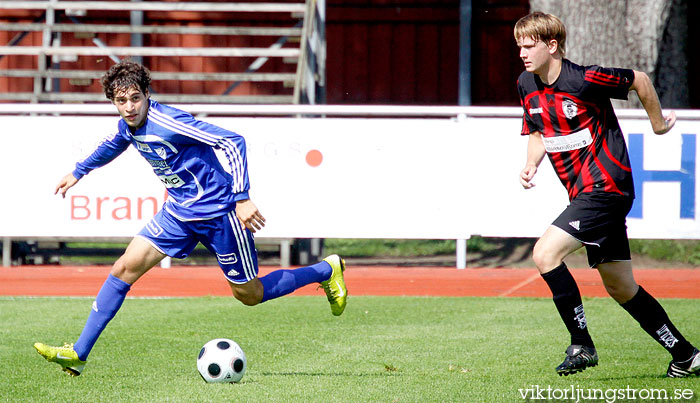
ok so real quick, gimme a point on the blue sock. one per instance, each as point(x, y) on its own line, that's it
point(283, 282)
point(106, 305)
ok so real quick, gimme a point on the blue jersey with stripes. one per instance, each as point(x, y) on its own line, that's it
point(202, 166)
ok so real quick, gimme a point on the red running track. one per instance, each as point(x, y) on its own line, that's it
point(191, 281)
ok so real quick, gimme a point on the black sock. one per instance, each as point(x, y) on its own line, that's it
point(567, 299)
point(652, 317)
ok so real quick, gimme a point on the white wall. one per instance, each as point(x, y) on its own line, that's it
point(379, 178)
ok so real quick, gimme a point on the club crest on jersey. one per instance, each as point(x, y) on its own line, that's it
point(161, 152)
point(569, 107)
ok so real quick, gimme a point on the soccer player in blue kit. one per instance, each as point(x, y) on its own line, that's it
point(567, 115)
point(207, 202)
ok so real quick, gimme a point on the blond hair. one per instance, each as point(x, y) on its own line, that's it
point(542, 27)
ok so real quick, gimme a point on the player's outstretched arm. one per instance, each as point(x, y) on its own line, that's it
point(249, 216)
point(66, 183)
point(650, 101)
point(535, 154)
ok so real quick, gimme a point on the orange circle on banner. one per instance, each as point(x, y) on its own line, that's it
point(314, 158)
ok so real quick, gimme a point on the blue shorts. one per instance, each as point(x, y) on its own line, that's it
point(234, 247)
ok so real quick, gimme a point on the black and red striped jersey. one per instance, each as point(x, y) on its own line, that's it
point(579, 128)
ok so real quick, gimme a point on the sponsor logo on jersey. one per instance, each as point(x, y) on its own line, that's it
point(143, 147)
point(158, 163)
point(171, 181)
point(569, 142)
point(575, 224)
point(229, 258)
point(570, 108)
point(534, 111)
point(232, 272)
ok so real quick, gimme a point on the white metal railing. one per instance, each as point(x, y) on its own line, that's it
point(407, 111)
point(93, 74)
point(153, 29)
point(308, 57)
point(76, 97)
point(153, 6)
point(146, 51)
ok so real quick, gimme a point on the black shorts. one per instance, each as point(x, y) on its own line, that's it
point(598, 220)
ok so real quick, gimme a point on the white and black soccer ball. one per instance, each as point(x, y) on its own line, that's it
point(221, 360)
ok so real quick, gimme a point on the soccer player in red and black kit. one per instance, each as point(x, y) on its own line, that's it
point(569, 117)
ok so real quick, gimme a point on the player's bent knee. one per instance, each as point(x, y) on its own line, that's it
point(119, 269)
point(128, 273)
point(621, 293)
point(246, 299)
point(548, 256)
point(537, 257)
point(543, 258)
point(249, 294)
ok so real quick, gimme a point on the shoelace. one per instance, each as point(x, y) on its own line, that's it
point(327, 288)
point(66, 345)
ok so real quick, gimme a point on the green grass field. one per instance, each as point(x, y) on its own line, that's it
point(383, 349)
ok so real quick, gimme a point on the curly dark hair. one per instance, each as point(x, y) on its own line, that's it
point(124, 75)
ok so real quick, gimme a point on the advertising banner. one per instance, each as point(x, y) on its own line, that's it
point(343, 178)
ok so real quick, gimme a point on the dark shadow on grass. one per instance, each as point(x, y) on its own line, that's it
point(502, 252)
point(481, 252)
point(640, 377)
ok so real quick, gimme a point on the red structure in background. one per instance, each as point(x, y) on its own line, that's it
point(159, 64)
point(378, 52)
point(406, 52)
